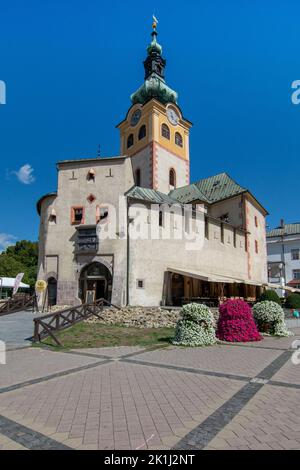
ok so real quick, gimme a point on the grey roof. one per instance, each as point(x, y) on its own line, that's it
point(287, 229)
point(92, 159)
point(210, 190)
point(39, 203)
point(150, 195)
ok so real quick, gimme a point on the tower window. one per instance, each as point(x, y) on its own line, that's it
point(142, 132)
point(91, 175)
point(255, 221)
point(138, 177)
point(77, 215)
point(172, 178)
point(178, 139)
point(256, 246)
point(130, 141)
point(165, 131)
point(101, 214)
point(52, 217)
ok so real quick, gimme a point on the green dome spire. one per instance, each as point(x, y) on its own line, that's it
point(154, 85)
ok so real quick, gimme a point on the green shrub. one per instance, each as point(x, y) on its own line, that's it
point(270, 295)
point(196, 326)
point(293, 301)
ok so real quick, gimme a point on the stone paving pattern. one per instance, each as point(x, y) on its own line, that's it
point(161, 399)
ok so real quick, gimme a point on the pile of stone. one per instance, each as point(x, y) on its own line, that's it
point(139, 317)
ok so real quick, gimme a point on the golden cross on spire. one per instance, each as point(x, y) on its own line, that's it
point(155, 21)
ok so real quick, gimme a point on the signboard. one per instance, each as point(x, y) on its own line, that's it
point(17, 283)
point(40, 285)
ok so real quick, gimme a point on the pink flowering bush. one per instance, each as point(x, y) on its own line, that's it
point(236, 322)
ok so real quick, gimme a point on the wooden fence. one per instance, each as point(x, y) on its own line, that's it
point(47, 325)
point(18, 302)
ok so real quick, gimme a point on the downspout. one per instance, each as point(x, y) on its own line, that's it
point(127, 252)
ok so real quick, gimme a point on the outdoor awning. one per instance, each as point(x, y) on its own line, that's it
point(211, 277)
point(279, 286)
point(10, 282)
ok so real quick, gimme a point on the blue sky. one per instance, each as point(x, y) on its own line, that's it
point(70, 67)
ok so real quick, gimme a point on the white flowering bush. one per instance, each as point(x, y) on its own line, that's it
point(196, 326)
point(270, 318)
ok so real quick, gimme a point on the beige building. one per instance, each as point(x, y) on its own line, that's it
point(132, 229)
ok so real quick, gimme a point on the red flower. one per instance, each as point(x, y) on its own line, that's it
point(236, 322)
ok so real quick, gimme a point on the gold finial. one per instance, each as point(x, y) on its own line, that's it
point(155, 21)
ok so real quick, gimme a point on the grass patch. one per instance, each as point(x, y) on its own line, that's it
point(87, 335)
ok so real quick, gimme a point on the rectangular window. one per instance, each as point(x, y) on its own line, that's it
point(77, 215)
point(295, 253)
point(140, 283)
point(256, 246)
point(256, 221)
point(296, 273)
point(222, 233)
point(234, 238)
point(206, 228)
point(160, 218)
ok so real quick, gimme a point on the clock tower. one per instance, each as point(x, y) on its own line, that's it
point(154, 133)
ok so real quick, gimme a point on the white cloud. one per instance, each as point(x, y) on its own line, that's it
point(24, 174)
point(5, 240)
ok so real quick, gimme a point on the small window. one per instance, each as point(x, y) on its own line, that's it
point(130, 141)
point(296, 273)
point(142, 132)
point(206, 228)
point(52, 217)
point(91, 175)
point(101, 214)
point(77, 214)
point(172, 178)
point(165, 131)
point(256, 246)
point(140, 283)
point(255, 221)
point(234, 237)
point(138, 177)
point(222, 233)
point(295, 253)
point(160, 218)
point(178, 139)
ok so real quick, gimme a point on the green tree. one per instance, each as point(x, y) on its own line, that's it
point(21, 257)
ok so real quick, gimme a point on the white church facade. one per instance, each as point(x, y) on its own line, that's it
point(134, 230)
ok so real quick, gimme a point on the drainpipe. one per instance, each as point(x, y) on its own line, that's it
point(127, 254)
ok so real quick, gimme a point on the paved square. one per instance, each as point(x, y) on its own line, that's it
point(225, 396)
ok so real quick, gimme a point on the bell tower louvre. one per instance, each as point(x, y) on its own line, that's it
point(154, 132)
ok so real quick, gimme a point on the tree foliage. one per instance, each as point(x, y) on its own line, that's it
point(20, 258)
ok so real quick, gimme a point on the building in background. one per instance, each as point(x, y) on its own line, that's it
point(283, 248)
point(154, 168)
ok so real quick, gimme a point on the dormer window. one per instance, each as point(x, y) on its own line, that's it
point(130, 141)
point(142, 132)
point(165, 131)
point(178, 139)
point(91, 175)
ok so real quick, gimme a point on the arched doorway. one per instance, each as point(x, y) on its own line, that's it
point(52, 291)
point(95, 282)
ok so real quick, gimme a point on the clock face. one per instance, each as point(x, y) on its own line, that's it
point(172, 116)
point(136, 116)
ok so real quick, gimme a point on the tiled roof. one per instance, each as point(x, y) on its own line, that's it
point(287, 229)
point(151, 195)
point(210, 190)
